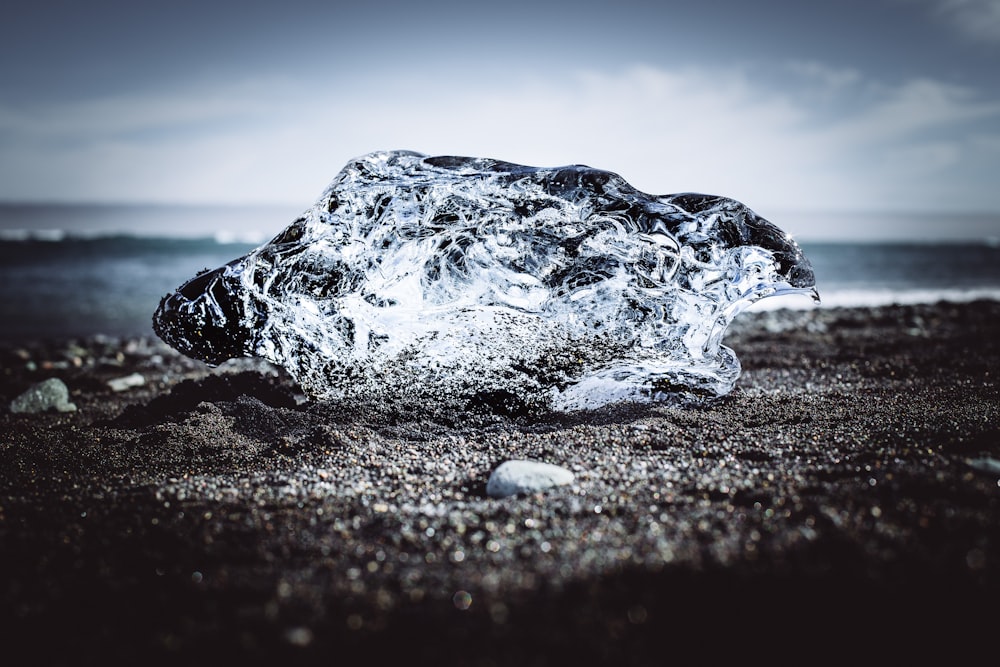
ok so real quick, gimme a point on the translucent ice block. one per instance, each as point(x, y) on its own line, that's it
point(560, 288)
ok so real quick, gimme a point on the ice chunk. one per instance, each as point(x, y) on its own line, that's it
point(559, 288)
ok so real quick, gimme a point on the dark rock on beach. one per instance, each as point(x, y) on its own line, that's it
point(841, 503)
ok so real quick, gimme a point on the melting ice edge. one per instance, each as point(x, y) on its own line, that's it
point(470, 278)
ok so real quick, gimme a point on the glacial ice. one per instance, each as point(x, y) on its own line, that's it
point(470, 278)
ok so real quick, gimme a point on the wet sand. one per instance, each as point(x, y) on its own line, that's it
point(841, 503)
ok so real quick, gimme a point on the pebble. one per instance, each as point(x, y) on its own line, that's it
point(127, 382)
point(986, 464)
point(52, 394)
point(513, 477)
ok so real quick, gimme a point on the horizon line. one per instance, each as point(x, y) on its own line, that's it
point(784, 209)
point(257, 237)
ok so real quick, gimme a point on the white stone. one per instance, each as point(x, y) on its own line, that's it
point(513, 477)
point(52, 394)
point(127, 382)
point(986, 464)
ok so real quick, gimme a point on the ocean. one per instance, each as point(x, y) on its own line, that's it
point(81, 278)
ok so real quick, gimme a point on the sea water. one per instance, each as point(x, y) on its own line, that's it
point(79, 271)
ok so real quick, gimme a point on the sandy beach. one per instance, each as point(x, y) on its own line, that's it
point(843, 501)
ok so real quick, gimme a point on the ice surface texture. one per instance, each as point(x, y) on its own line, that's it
point(558, 288)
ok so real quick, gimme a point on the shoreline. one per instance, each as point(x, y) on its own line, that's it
point(845, 489)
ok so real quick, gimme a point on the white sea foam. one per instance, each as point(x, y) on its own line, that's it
point(246, 236)
point(875, 297)
point(49, 235)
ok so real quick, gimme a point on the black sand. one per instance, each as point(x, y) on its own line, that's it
point(841, 504)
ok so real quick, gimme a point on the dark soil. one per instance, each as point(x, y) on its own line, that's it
point(841, 504)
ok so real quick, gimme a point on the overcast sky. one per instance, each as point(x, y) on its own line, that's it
point(873, 105)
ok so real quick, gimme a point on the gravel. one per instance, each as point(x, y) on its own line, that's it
point(840, 503)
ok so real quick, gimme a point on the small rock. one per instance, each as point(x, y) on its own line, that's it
point(986, 464)
point(51, 394)
point(127, 382)
point(513, 477)
point(299, 636)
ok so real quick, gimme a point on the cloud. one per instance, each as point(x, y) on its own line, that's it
point(144, 113)
point(911, 146)
point(817, 138)
point(978, 19)
point(831, 80)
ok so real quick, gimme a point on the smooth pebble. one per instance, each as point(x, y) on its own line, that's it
point(127, 382)
point(513, 477)
point(51, 394)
